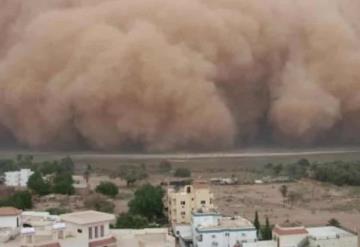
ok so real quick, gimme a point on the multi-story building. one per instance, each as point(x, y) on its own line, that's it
point(182, 202)
point(18, 178)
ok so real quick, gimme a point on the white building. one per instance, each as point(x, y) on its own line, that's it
point(211, 229)
point(10, 217)
point(329, 236)
point(10, 221)
point(18, 178)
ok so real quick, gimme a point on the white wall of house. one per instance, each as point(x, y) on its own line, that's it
point(18, 178)
point(224, 238)
point(10, 221)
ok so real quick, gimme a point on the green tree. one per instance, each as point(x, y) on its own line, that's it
point(182, 173)
point(278, 169)
point(267, 230)
point(131, 174)
point(37, 184)
point(108, 189)
point(129, 221)
point(148, 202)
point(257, 222)
point(21, 200)
point(63, 184)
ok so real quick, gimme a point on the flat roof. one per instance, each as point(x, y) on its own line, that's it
point(283, 231)
point(228, 223)
point(9, 211)
point(87, 217)
point(328, 232)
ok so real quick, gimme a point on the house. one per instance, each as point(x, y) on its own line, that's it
point(213, 229)
point(10, 217)
point(290, 236)
point(299, 236)
point(182, 202)
point(10, 221)
point(209, 228)
point(90, 227)
point(18, 178)
point(330, 236)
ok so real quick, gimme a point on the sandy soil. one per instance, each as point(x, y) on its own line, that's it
point(319, 203)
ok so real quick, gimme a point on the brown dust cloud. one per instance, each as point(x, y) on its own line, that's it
point(162, 75)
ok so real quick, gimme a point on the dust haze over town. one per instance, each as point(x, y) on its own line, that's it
point(161, 75)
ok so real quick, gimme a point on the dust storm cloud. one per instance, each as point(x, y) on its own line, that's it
point(167, 75)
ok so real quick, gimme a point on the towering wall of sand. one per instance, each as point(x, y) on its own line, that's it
point(163, 74)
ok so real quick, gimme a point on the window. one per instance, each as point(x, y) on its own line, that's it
point(102, 231)
point(90, 233)
point(79, 230)
point(183, 213)
point(203, 202)
point(183, 203)
point(96, 232)
point(188, 189)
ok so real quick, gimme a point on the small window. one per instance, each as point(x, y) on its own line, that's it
point(96, 232)
point(183, 203)
point(79, 230)
point(102, 232)
point(90, 233)
point(203, 202)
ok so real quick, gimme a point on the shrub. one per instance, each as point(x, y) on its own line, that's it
point(126, 220)
point(107, 188)
point(182, 172)
point(99, 203)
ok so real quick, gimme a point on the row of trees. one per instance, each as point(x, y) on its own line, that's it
point(264, 232)
point(335, 172)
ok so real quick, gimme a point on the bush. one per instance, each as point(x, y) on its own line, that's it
point(107, 188)
point(21, 200)
point(131, 174)
point(99, 203)
point(148, 202)
point(58, 211)
point(126, 221)
point(182, 173)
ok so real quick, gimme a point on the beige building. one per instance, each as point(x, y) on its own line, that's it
point(90, 227)
point(182, 202)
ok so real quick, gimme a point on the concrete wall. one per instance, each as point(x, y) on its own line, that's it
point(350, 241)
point(10, 221)
point(226, 238)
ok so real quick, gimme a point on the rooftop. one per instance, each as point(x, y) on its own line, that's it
point(87, 217)
point(328, 232)
point(228, 223)
point(9, 211)
point(283, 231)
